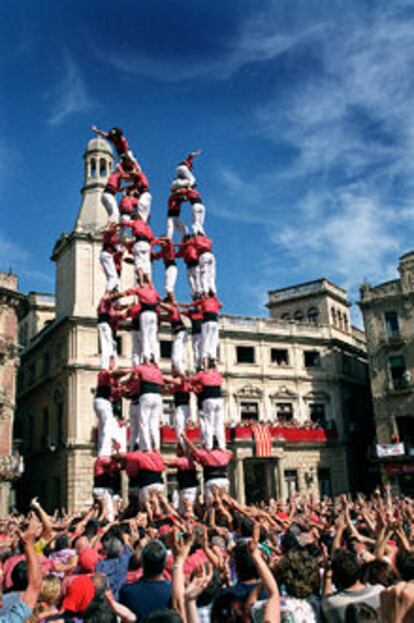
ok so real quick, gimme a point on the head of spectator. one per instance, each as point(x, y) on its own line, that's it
point(113, 548)
point(166, 615)
point(88, 560)
point(154, 557)
point(81, 544)
point(378, 572)
point(345, 569)
point(228, 608)
point(91, 529)
point(98, 610)
point(405, 565)
point(19, 576)
point(61, 543)
point(298, 572)
point(49, 595)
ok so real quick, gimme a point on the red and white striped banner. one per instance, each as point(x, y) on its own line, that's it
point(263, 441)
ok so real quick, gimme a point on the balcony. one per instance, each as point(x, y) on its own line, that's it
point(245, 433)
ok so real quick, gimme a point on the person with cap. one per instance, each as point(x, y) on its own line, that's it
point(118, 140)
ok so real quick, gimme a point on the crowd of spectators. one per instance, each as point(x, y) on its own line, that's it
point(336, 560)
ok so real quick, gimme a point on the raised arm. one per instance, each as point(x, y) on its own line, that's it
point(271, 612)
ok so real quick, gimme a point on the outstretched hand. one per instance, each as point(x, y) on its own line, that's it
point(182, 543)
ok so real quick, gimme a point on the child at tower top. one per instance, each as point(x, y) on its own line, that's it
point(118, 140)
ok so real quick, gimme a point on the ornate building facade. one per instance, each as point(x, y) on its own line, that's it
point(12, 305)
point(305, 363)
point(388, 311)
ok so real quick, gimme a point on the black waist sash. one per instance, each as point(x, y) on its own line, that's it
point(146, 477)
point(103, 391)
point(214, 471)
point(196, 326)
point(181, 398)
point(142, 238)
point(168, 263)
point(104, 318)
point(207, 316)
point(148, 307)
point(210, 391)
point(187, 479)
point(106, 481)
point(149, 388)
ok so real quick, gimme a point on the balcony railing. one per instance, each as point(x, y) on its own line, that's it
point(245, 433)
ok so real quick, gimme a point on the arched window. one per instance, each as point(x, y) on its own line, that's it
point(285, 317)
point(102, 167)
point(340, 320)
point(346, 327)
point(333, 316)
point(93, 167)
point(313, 315)
point(299, 316)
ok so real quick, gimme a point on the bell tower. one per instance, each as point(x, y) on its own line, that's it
point(98, 163)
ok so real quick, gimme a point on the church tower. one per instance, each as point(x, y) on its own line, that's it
point(80, 281)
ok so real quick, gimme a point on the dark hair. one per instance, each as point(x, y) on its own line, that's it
point(154, 556)
point(361, 613)
point(298, 571)
point(345, 569)
point(62, 542)
point(227, 607)
point(133, 563)
point(115, 131)
point(113, 548)
point(99, 611)
point(246, 527)
point(405, 565)
point(244, 563)
point(91, 528)
point(19, 576)
point(378, 572)
point(164, 615)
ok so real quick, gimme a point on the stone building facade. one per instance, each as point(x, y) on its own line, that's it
point(388, 312)
point(284, 368)
point(12, 304)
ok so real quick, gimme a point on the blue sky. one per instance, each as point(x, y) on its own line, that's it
point(304, 110)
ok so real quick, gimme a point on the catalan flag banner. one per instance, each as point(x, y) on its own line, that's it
point(263, 441)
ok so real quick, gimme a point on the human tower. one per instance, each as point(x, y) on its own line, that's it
point(128, 237)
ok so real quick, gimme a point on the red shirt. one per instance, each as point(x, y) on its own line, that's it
point(140, 228)
point(147, 295)
point(188, 251)
point(127, 204)
point(167, 252)
point(80, 593)
point(209, 305)
point(133, 385)
point(175, 200)
point(193, 313)
point(184, 386)
point(140, 182)
point(134, 311)
point(104, 378)
point(184, 463)
point(207, 378)
point(202, 244)
point(120, 142)
point(212, 458)
point(149, 373)
point(173, 316)
point(114, 181)
point(110, 240)
point(193, 194)
point(106, 465)
point(104, 306)
point(135, 461)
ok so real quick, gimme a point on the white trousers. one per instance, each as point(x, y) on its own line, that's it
point(175, 222)
point(198, 212)
point(178, 351)
point(149, 335)
point(223, 484)
point(150, 407)
point(106, 425)
point(145, 492)
point(120, 436)
point(181, 417)
point(136, 353)
point(213, 415)
point(111, 206)
point(142, 256)
point(210, 339)
point(134, 424)
point(184, 176)
point(106, 260)
point(196, 341)
point(170, 278)
point(193, 277)
point(125, 232)
point(187, 495)
point(106, 343)
point(144, 205)
point(105, 496)
point(208, 272)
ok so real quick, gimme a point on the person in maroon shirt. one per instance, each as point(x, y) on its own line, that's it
point(215, 464)
point(185, 177)
point(108, 317)
point(196, 318)
point(140, 185)
point(105, 396)
point(187, 250)
point(210, 307)
point(168, 255)
point(181, 390)
point(175, 200)
point(110, 247)
point(106, 483)
point(131, 390)
point(144, 471)
point(198, 211)
point(114, 186)
point(127, 208)
point(118, 140)
point(134, 313)
point(180, 334)
point(207, 262)
point(208, 386)
point(187, 480)
point(144, 239)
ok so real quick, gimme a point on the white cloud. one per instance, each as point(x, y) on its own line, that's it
point(71, 95)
